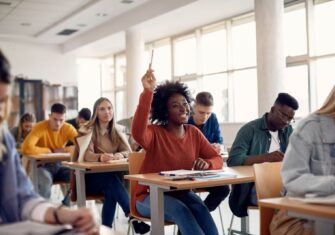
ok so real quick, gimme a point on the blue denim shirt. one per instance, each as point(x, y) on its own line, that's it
point(309, 162)
point(211, 129)
point(17, 198)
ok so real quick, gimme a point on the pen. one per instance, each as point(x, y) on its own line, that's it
point(192, 169)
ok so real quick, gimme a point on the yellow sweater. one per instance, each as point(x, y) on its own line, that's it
point(42, 139)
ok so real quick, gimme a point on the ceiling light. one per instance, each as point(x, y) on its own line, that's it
point(25, 24)
point(127, 1)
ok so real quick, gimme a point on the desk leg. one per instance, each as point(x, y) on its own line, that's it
point(157, 210)
point(80, 184)
point(34, 177)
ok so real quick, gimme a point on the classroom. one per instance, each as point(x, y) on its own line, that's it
point(100, 98)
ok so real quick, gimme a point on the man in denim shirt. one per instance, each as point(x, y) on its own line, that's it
point(261, 140)
point(206, 121)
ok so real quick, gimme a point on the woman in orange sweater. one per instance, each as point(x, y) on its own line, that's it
point(172, 144)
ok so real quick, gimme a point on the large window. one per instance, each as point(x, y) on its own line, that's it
point(185, 56)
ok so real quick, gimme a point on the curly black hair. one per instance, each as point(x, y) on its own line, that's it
point(159, 113)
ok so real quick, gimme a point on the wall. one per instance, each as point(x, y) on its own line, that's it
point(41, 62)
point(229, 131)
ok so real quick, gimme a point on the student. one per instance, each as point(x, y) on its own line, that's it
point(108, 143)
point(309, 164)
point(262, 140)
point(171, 144)
point(18, 200)
point(50, 136)
point(20, 132)
point(208, 124)
point(82, 118)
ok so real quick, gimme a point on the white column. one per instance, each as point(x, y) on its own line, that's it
point(270, 51)
point(135, 56)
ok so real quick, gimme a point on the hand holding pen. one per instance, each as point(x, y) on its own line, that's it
point(200, 164)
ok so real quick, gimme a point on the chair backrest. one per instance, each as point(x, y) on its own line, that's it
point(135, 162)
point(268, 184)
point(268, 180)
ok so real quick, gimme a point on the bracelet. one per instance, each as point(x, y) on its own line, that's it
point(56, 214)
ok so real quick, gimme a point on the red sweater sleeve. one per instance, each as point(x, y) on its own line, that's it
point(140, 128)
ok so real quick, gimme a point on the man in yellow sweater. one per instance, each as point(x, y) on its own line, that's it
point(50, 136)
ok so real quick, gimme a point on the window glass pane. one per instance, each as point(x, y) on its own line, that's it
point(193, 86)
point(244, 45)
point(219, 93)
point(297, 76)
point(325, 79)
point(324, 27)
point(119, 105)
point(214, 51)
point(162, 63)
point(89, 89)
point(107, 73)
point(245, 101)
point(185, 56)
point(295, 32)
point(120, 70)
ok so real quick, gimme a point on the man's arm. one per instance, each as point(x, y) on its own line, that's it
point(29, 145)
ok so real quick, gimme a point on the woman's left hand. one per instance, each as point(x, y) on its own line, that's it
point(200, 164)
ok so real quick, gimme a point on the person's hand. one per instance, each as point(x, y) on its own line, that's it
point(149, 80)
point(217, 147)
point(105, 157)
point(275, 156)
point(200, 164)
point(81, 219)
point(59, 150)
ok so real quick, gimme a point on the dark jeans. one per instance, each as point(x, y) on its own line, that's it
point(216, 196)
point(110, 185)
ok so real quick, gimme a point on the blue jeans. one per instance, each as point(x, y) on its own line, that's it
point(187, 210)
point(49, 173)
point(110, 185)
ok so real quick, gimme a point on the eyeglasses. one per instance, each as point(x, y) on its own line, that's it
point(285, 117)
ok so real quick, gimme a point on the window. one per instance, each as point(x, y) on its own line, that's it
point(214, 51)
point(162, 61)
point(185, 56)
point(107, 74)
point(325, 79)
point(120, 70)
point(119, 108)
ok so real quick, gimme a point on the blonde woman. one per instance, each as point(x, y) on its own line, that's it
point(309, 164)
point(108, 143)
point(20, 132)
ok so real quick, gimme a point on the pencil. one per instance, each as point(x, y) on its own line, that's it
point(152, 56)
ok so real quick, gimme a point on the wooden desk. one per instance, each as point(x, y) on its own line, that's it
point(82, 168)
point(38, 159)
point(323, 215)
point(159, 184)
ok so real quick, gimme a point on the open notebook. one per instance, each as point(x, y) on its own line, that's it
point(196, 174)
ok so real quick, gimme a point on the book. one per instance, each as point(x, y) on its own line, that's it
point(317, 199)
point(196, 175)
point(183, 172)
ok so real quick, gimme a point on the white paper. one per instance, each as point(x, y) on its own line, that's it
point(83, 142)
point(31, 228)
point(122, 160)
point(329, 200)
point(55, 154)
point(183, 172)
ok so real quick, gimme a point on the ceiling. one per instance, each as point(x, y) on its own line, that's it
point(98, 26)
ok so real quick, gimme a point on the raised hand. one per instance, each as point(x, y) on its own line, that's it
point(149, 80)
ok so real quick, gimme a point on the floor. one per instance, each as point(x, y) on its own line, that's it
point(120, 226)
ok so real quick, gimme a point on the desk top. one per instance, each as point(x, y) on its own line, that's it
point(327, 211)
point(244, 174)
point(49, 157)
point(92, 166)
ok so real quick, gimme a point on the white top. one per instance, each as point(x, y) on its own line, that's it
point(275, 143)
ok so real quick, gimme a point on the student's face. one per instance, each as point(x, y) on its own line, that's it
point(4, 93)
point(282, 115)
point(26, 126)
point(178, 109)
point(105, 112)
point(81, 121)
point(56, 121)
point(201, 113)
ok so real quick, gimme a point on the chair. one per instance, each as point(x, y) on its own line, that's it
point(266, 187)
point(135, 162)
point(268, 184)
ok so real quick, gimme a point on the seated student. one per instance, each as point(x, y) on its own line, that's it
point(50, 136)
point(108, 143)
point(262, 140)
point(127, 124)
point(171, 144)
point(20, 132)
point(309, 164)
point(206, 121)
point(17, 198)
point(82, 118)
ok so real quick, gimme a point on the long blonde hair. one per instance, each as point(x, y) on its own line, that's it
point(328, 107)
point(94, 124)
